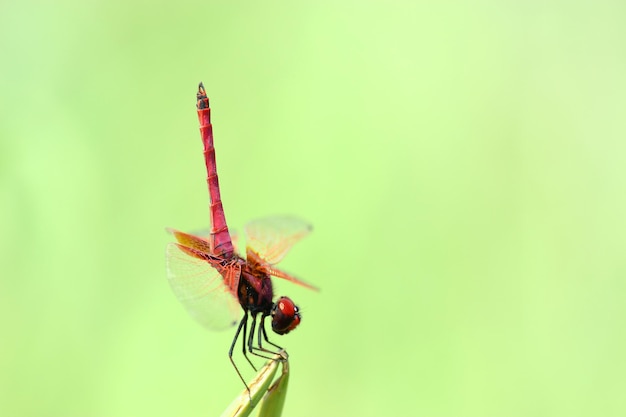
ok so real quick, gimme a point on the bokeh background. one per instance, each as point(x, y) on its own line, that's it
point(463, 164)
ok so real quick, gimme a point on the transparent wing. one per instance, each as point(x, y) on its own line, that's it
point(272, 237)
point(202, 289)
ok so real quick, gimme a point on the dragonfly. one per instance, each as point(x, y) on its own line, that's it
point(215, 283)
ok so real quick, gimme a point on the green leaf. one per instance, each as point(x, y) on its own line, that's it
point(243, 405)
point(274, 399)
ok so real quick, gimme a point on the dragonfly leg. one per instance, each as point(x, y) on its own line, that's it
point(264, 333)
point(262, 328)
point(253, 349)
point(242, 324)
point(243, 341)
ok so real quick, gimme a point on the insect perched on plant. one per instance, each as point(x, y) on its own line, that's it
point(215, 283)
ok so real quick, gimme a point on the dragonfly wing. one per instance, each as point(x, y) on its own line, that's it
point(197, 242)
point(204, 235)
point(202, 289)
point(271, 238)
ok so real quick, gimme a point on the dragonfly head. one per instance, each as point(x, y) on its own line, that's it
point(285, 316)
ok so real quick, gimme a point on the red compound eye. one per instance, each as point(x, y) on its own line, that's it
point(285, 316)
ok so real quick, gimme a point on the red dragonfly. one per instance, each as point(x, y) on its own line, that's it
point(215, 283)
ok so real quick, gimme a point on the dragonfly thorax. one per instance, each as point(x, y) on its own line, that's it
point(255, 291)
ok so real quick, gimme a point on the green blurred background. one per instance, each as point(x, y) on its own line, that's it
point(463, 164)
